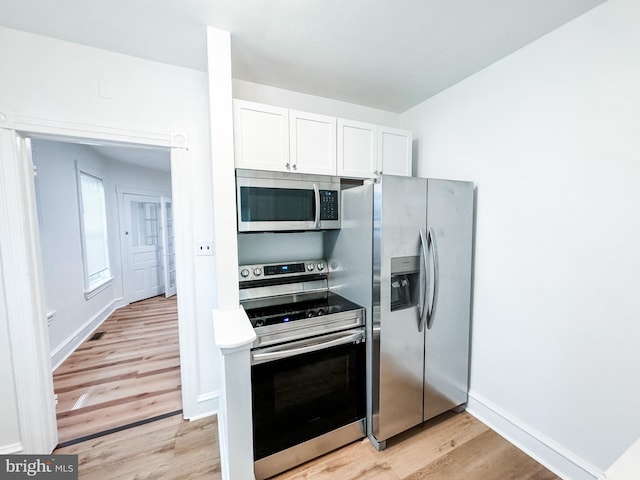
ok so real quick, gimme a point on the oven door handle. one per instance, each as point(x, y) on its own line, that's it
point(312, 345)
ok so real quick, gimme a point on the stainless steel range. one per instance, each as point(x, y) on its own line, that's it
point(307, 364)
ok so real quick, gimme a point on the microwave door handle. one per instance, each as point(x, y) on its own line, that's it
point(316, 193)
point(422, 307)
point(312, 346)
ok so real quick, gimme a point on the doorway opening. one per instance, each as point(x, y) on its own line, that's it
point(147, 245)
point(94, 271)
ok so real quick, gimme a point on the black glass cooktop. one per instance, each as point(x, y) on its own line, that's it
point(325, 303)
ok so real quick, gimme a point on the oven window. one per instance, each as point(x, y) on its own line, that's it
point(258, 204)
point(302, 397)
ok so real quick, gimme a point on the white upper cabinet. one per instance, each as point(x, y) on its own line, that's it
point(283, 140)
point(312, 143)
point(366, 150)
point(261, 136)
point(394, 150)
point(357, 149)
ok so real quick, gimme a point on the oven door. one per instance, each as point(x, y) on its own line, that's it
point(304, 389)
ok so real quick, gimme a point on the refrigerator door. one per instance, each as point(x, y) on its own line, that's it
point(398, 345)
point(449, 237)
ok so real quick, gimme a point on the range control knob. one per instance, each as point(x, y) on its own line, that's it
point(310, 267)
point(257, 272)
point(244, 273)
point(320, 266)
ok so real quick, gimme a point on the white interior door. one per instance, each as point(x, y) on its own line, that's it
point(168, 247)
point(143, 245)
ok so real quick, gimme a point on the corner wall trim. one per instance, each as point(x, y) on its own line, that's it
point(556, 458)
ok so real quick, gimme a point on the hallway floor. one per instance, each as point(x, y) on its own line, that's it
point(130, 374)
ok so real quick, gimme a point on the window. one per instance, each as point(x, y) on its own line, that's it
point(93, 219)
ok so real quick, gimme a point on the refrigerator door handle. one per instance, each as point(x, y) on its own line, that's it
point(422, 310)
point(316, 194)
point(431, 237)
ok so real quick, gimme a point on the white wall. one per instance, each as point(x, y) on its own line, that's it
point(56, 185)
point(9, 428)
point(279, 247)
point(551, 135)
point(60, 83)
point(255, 92)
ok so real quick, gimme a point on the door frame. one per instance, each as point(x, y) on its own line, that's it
point(169, 290)
point(121, 191)
point(22, 266)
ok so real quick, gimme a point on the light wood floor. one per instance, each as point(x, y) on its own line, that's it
point(451, 447)
point(454, 447)
point(130, 374)
point(168, 449)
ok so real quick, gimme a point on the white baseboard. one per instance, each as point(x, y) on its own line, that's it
point(556, 458)
point(207, 404)
point(68, 346)
point(11, 449)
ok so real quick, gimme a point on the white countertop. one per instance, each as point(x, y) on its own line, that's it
point(232, 329)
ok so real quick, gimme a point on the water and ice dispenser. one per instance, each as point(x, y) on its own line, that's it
point(405, 282)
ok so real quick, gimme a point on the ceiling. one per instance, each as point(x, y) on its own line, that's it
point(387, 54)
point(145, 156)
point(155, 158)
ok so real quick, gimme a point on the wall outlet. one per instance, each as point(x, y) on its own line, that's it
point(204, 248)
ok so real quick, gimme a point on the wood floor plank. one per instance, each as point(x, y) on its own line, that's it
point(171, 448)
point(94, 376)
point(89, 422)
point(118, 388)
point(431, 441)
point(342, 464)
point(486, 457)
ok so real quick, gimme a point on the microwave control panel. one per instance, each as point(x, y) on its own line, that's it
point(329, 205)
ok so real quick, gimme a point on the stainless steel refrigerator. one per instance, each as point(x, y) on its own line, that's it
point(405, 253)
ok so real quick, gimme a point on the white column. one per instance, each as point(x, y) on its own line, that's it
point(224, 190)
point(234, 336)
point(232, 329)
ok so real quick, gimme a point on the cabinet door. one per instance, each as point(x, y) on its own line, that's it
point(357, 149)
point(394, 148)
point(313, 143)
point(261, 136)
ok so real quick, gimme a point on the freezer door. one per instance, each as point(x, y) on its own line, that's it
point(398, 344)
point(449, 238)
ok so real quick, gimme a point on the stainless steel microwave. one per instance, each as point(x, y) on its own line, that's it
point(276, 202)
